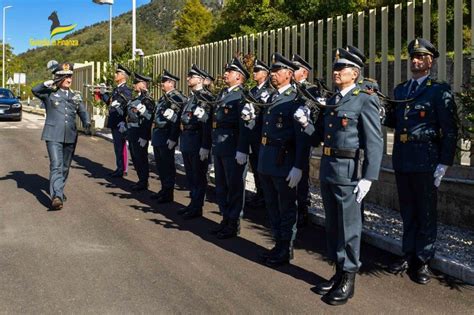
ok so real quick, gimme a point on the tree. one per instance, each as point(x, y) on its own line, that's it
point(193, 24)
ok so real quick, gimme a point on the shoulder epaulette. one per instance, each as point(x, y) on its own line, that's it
point(370, 80)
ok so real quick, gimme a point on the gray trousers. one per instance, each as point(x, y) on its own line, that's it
point(343, 225)
point(60, 158)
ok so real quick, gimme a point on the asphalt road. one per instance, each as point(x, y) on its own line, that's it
point(108, 252)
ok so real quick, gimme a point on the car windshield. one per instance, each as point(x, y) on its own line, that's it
point(6, 94)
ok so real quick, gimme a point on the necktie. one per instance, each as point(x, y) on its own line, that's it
point(337, 98)
point(414, 85)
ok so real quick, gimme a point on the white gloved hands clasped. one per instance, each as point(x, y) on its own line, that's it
point(203, 154)
point(142, 142)
point(102, 88)
point(141, 108)
point(200, 114)
point(115, 104)
point(170, 115)
point(48, 83)
point(248, 112)
point(170, 144)
point(362, 188)
point(302, 115)
point(294, 177)
point(439, 173)
point(122, 127)
point(241, 158)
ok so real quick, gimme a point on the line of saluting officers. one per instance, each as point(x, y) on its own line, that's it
point(274, 128)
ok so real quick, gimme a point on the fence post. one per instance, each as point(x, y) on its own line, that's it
point(329, 52)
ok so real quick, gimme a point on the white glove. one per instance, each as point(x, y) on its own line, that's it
point(48, 83)
point(115, 103)
point(302, 115)
point(362, 188)
point(264, 96)
point(170, 115)
point(141, 108)
point(142, 142)
point(122, 127)
point(77, 98)
point(170, 144)
point(294, 177)
point(103, 88)
point(248, 112)
point(439, 173)
point(241, 158)
point(200, 114)
point(203, 154)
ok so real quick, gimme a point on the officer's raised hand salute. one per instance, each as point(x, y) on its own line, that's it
point(424, 146)
point(165, 135)
point(284, 152)
point(195, 143)
point(352, 152)
point(139, 120)
point(60, 132)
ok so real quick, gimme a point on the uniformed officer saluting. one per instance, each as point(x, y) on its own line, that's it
point(253, 132)
point(139, 120)
point(424, 146)
point(283, 154)
point(165, 135)
point(195, 144)
point(60, 132)
point(117, 102)
point(229, 162)
point(352, 154)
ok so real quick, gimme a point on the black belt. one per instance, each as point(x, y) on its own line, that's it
point(407, 137)
point(276, 142)
point(340, 153)
point(191, 127)
point(216, 125)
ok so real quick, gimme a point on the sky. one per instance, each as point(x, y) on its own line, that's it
point(29, 18)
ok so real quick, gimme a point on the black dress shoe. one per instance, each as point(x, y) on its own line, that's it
point(56, 203)
point(184, 210)
point(117, 175)
point(282, 256)
point(220, 227)
point(400, 265)
point(232, 229)
point(343, 291)
point(64, 198)
point(263, 256)
point(192, 214)
point(139, 187)
point(165, 196)
point(422, 274)
point(156, 195)
point(323, 288)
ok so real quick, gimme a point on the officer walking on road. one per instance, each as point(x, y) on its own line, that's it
point(117, 102)
point(139, 120)
point(165, 135)
point(283, 154)
point(261, 92)
point(195, 143)
point(60, 131)
point(424, 147)
point(351, 134)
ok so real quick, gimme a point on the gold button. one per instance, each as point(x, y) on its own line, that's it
point(408, 106)
point(330, 125)
point(268, 112)
point(332, 113)
point(329, 136)
point(266, 123)
point(406, 118)
point(265, 134)
point(404, 129)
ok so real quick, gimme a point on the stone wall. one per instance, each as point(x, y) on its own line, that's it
point(455, 196)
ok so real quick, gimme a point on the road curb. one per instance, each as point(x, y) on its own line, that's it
point(439, 262)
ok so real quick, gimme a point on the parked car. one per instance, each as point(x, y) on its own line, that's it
point(10, 106)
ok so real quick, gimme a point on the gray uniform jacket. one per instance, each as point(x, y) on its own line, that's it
point(61, 111)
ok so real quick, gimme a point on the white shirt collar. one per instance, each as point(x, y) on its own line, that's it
point(347, 89)
point(123, 83)
point(261, 85)
point(232, 87)
point(420, 80)
point(284, 88)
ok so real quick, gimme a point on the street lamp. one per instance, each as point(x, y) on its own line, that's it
point(3, 44)
point(110, 3)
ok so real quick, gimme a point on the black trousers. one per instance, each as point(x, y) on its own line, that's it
point(418, 198)
point(253, 159)
point(196, 178)
point(119, 140)
point(165, 166)
point(139, 158)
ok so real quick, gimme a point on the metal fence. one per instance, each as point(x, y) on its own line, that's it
point(316, 41)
